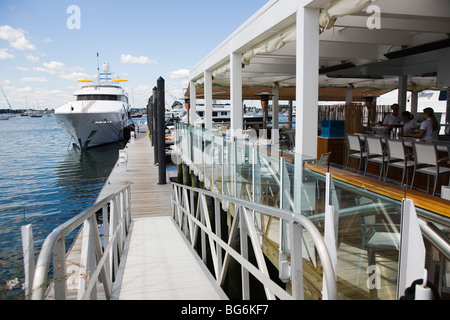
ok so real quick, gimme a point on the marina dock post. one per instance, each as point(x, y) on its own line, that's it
point(154, 131)
point(161, 103)
point(150, 119)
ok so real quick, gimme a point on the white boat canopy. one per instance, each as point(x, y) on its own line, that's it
point(311, 50)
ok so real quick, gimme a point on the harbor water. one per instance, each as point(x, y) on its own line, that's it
point(43, 182)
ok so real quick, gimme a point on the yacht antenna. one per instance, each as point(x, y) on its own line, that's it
point(98, 69)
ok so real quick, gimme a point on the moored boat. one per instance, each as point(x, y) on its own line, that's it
point(100, 114)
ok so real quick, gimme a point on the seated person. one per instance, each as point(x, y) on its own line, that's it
point(408, 122)
point(429, 128)
point(393, 118)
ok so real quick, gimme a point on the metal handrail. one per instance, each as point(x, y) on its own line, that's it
point(116, 223)
point(436, 237)
point(180, 200)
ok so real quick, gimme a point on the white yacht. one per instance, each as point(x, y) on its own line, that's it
point(100, 115)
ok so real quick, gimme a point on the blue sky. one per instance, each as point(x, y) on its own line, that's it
point(41, 58)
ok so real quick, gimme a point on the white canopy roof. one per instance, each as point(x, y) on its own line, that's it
point(350, 52)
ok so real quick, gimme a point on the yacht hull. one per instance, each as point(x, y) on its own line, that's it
point(93, 129)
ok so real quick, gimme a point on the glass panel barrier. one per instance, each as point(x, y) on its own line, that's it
point(368, 223)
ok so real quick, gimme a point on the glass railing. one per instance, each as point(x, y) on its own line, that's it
point(254, 169)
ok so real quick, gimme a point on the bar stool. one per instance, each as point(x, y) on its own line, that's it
point(426, 154)
point(355, 149)
point(398, 158)
point(375, 153)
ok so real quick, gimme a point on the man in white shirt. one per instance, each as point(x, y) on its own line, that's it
point(393, 118)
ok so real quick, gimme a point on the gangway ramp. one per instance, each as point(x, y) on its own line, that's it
point(159, 264)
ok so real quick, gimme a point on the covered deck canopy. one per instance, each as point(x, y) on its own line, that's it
point(311, 50)
point(327, 92)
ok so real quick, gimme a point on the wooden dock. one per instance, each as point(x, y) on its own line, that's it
point(157, 263)
point(148, 199)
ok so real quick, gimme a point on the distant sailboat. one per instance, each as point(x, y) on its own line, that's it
point(8, 115)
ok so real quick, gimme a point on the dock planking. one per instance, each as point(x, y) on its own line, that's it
point(147, 197)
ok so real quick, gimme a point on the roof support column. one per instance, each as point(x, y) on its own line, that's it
point(402, 92)
point(236, 93)
point(193, 101)
point(307, 91)
point(414, 103)
point(208, 99)
point(349, 94)
point(275, 114)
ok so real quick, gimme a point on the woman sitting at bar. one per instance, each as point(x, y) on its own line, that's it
point(429, 129)
point(408, 122)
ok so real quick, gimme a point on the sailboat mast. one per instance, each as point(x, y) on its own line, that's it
point(9, 105)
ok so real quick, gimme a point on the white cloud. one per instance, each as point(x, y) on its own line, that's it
point(23, 44)
point(4, 54)
point(16, 38)
point(39, 69)
point(25, 90)
point(128, 58)
point(35, 79)
point(74, 76)
point(39, 98)
point(175, 90)
point(53, 65)
point(179, 74)
point(47, 40)
point(61, 70)
point(31, 57)
point(23, 68)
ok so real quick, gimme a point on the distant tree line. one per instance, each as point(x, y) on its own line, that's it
point(20, 111)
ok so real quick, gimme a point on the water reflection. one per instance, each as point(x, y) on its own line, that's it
point(43, 183)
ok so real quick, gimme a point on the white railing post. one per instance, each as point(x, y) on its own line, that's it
point(115, 248)
point(297, 261)
point(28, 257)
point(213, 182)
point(218, 227)
point(59, 269)
point(259, 255)
point(128, 192)
point(203, 212)
point(244, 253)
point(88, 259)
point(224, 161)
point(106, 237)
